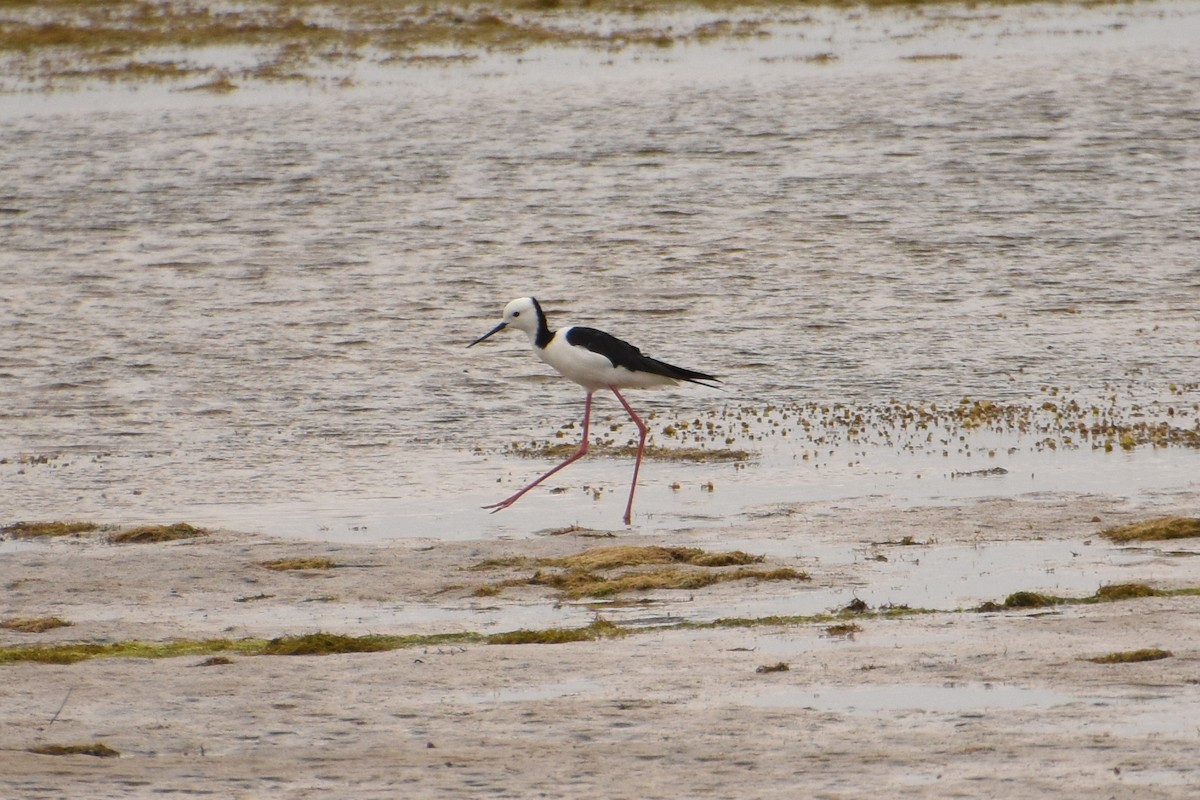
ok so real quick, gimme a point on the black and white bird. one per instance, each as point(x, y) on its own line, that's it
point(595, 360)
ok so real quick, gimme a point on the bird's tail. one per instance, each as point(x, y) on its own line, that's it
point(689, 375)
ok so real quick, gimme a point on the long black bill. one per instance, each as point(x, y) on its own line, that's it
point(492, 332)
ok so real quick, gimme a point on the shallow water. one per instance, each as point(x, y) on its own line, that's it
point(251, 311)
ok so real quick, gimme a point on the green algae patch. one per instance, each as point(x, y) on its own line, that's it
point(71, 653)
point(1105, 594)
point(1108, 593)
point(1155, 530)
point(501, 563)
point(325, 644)
point(600, 629)
point(152, 534)
point(839, 622)
point(33, 624)
point(97, 749)
point(47, 530)
point(773, 621)
point(1132, 656)
point(900, 611)
point(138, 535)
point(309, 644)
point(290, 564)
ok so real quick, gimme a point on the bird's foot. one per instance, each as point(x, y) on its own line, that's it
point(503, 504)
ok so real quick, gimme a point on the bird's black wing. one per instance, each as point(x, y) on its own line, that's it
point(623, 354)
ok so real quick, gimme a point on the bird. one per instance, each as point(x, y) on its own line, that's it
point(595, 360)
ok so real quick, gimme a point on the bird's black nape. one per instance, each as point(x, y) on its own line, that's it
point(544, 334)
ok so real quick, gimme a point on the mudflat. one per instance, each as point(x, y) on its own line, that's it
point(719, 691)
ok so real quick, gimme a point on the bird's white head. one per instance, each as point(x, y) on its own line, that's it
point(524, 314)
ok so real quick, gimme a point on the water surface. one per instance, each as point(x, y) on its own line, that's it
point(251, 310)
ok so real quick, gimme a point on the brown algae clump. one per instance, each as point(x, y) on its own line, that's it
point(215, 661)
point(97, 749)
point(583, 583)
point(782, 666)
point(1105, 594)
point(591, 573)
point(599, 558)
point(1153, 530)
point(35, 530)
point(700, 455)
point(127, 39)
point(288, 564)
point(323, 644)
point(1126, 591)
point(1031, 600)
point(33, 624)
point(149, 534)
point(1132, 656)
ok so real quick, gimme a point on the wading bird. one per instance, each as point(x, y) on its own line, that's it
point(595, 360)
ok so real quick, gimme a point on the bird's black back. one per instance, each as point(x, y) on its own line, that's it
point(623, 354)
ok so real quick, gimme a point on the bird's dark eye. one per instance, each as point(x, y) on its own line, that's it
point(516, 313)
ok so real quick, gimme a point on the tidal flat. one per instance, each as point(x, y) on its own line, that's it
point(187, 664)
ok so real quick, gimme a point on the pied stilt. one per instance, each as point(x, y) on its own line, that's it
point(594, 360)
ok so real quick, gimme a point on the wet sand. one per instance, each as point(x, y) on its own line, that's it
point(949, 704)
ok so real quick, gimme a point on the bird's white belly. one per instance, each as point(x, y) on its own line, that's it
point(592, 370)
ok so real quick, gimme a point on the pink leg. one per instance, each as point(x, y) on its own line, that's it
point(578, 454)
point(641, 446)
